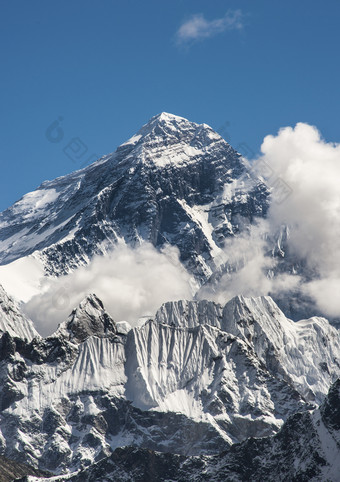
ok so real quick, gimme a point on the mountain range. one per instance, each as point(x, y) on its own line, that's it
point(198, 390)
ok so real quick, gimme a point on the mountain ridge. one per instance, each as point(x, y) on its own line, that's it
point(93, 388)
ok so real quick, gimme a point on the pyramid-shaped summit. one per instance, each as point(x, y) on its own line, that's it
point(169, 139)
point(174, 182)
point(89, 318)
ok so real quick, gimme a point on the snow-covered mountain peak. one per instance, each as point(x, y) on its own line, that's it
point(165, 121)
point(170, 139)
point(89, 318)
point(167, 117)
point(241, 311)
point(165, 185)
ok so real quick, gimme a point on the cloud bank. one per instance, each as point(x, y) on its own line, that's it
point(198, 27)
point(130, 282)
point(309, 167)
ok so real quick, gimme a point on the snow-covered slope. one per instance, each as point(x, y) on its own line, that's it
point(173, 182)
point(12, 321)
point(192, 381)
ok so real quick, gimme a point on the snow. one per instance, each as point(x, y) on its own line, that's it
point(133, 140)
point(34, 202)
point(200, 215)
point(22, 278)
point(182, 401)
point(99, 365)
point(178, 150)
point(13, 321)
point(123, 327)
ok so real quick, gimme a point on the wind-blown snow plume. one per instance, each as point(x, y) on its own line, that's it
point(131, 282)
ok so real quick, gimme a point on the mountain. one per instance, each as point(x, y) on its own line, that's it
point(194, 380)
point(174, 182)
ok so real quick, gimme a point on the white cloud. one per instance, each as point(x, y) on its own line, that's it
point(250, 268)
point(310, 167)
point(198, 27)
point(326, 293)
point(22, 278)
point(131, 283)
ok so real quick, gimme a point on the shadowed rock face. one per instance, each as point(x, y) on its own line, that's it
point(88, 319)
point(330, 411)
point(11, 470)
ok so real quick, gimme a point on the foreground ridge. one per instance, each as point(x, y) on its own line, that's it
point(193, 381)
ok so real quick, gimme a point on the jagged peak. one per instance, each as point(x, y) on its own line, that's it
point(89, 319)
point(91, 300)
point(242, 314)
point(164, 130)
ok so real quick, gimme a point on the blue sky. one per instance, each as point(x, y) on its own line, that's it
point(246, 68)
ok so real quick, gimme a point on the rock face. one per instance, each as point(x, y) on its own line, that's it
point(305, 449)
point(88, 319)
point(11, 470)
point(173, 182)
point(194, 380)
